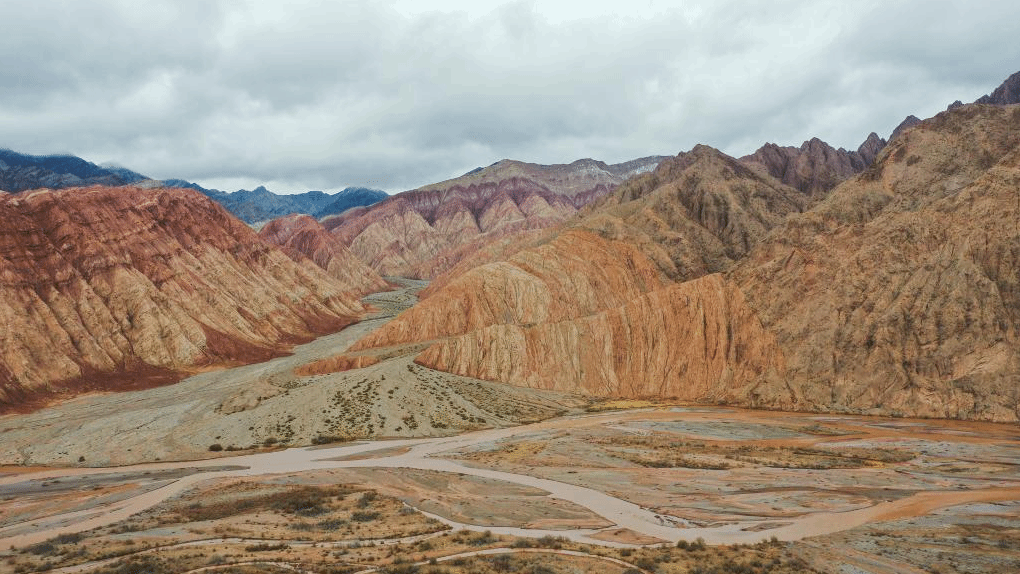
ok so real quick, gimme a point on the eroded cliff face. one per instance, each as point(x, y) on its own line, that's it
point(575, 273)
point(899, 294)
point(301, 236)
point(694, 341)
point(422, 233)
point(696, 213)
point(815, 168)
point(693, 216)
point(101, 287)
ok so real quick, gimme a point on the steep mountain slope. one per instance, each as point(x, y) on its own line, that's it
point(900, 292)
point(697, 340)
point(418, 233)
point(694, 215)
point(1007, 93)
point(816, 167)
point(301, 236)
point(107, 287)
point(20, 172)
point(897, 294)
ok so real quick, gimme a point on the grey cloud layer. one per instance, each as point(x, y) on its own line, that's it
point(323, 95)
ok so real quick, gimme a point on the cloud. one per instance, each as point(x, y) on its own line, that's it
point(311, 95)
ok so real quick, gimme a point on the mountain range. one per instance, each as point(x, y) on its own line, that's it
point(21, 172)
point(712, 281)
point(261, 205)
point(426, 231)
point(881, 280)
point(120, 287)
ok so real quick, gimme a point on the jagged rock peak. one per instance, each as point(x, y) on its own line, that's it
point(815, 167)
point(908, 122)
point(1007, 93)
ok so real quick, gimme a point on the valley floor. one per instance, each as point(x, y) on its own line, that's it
point(876, 495)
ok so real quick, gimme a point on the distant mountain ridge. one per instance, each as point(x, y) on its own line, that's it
point(815, 168)
point(21, 172)
point(1007, 93)
point(260, 204)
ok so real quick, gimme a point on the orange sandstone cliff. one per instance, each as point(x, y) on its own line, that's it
point(896, 294)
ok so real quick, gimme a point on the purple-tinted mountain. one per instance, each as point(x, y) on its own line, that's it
point(815, 167)
point(1007, 93)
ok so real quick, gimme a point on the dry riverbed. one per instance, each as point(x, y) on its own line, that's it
point(828, 493)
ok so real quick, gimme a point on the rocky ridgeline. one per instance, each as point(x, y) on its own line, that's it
point(427, 231)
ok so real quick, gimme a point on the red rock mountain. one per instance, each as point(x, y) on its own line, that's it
point(107, 287)
point(897, 294)
point(423, 232)
point(900, 293)
point(301, 236)
point(694, 215)
point(816, 167)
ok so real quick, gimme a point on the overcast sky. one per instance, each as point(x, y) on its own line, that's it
point(321, 95)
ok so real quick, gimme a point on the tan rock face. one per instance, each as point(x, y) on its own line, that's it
point(900, 292)
point(689, 218)
point(897, 294)
point(301, 236)
point(576, 273)
point(696, 214)
point(695, 341)
point(112, 286)
point(422, 233)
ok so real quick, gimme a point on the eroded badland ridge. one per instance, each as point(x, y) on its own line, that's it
point(423, 232)
point(109, 287)
point(897, 293)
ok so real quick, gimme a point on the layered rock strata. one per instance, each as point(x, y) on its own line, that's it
point(109, 287)
point(301, 236)
point(897, 294)
point(422, 233)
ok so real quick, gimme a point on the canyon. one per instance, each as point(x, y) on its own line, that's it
point(806, 350)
